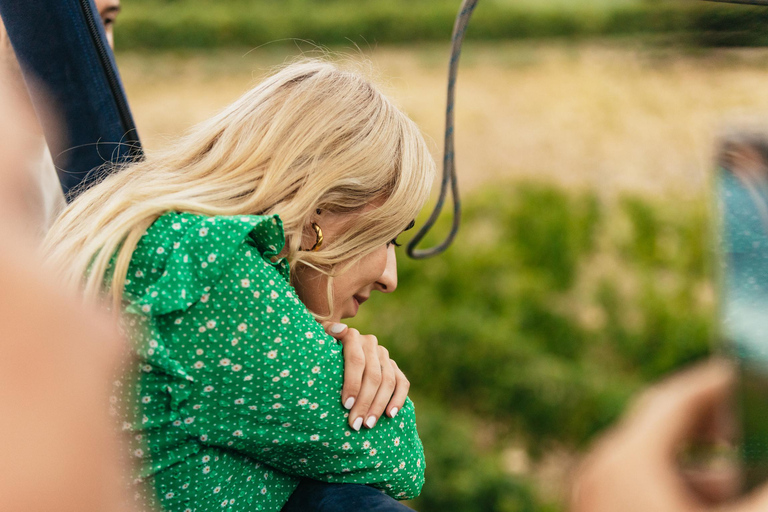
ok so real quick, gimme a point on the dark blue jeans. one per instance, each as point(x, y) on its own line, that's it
point(63, 53)
point(313, 496)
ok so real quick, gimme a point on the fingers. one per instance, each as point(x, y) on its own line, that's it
point(642, 452)
point(354, 361)
point(373, 383)
point(684, 405)
point(386, 388)
point(756, 501)
point(715, 484)
point(370, 384)
point(402, 386)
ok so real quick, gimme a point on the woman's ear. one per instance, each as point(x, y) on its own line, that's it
point(312, 234)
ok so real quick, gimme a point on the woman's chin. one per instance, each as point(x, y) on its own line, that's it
point(351, 308)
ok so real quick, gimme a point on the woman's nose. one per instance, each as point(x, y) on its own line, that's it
point(387, 282)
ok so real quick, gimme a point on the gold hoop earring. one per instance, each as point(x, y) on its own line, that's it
point(318, 241)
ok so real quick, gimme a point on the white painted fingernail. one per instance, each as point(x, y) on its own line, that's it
point(358, 423)
point(337, 328)
point(393, 412)
point(370, 422)
point(349, 403)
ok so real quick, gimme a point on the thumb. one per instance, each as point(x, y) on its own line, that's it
point(335, 329)
point(756, 501)
point(681, 406)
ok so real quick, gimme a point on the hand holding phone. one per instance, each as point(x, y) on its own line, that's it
point(636, 467)
point(741, 189)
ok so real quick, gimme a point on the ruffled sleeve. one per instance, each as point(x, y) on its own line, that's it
point(199, 249)
point(189, 253)
point(172, 269)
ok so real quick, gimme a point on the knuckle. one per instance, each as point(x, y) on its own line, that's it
point(373, 354)
point(384, 352)
point(356, 359)
point(372, 362)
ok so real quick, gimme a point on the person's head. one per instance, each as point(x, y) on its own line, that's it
point(745, 154)
point(108, 11)
point(312, 143)
point(353, 284)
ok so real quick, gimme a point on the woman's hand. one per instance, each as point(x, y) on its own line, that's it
point(635, 467)
point(373, 383)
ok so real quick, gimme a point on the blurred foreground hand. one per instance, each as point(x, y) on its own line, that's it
point(59, 448)
point(635, 467)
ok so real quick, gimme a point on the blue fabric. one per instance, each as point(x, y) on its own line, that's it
point(314, 496)
point(55, 50)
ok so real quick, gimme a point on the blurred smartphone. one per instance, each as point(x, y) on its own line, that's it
point(741, 189)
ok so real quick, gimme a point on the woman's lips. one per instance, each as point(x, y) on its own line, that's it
point(358, 300)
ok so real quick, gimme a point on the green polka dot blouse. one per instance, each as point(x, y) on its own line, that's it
point(234, 392)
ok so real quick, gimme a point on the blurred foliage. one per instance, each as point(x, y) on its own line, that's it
point(461, 476)
point(162, 24)
point(548, 312)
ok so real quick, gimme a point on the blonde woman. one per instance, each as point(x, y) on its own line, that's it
point(226, 252)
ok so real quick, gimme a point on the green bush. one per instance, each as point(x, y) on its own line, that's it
point(496, 322)
point(547, 313)
point(463, 477)
point(164, 24)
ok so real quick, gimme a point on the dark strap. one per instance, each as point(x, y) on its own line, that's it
point(449, 158)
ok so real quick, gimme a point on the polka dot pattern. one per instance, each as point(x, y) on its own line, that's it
point(235, 390)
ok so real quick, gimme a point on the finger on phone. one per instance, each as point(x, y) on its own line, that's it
point(370, 384)
point(354, 367)
point(386, 388)
point(402, 386)
point(676, 408)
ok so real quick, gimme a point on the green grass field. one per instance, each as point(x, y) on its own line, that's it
point(613, 117)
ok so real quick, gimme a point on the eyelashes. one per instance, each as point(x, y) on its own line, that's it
point(394, 240)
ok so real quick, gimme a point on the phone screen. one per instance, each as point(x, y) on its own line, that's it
point(742, 194)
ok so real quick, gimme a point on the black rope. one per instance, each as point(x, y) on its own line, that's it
point(449, 160)
point(449, 163)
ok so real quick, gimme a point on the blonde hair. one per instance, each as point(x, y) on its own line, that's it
point(309, 137)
